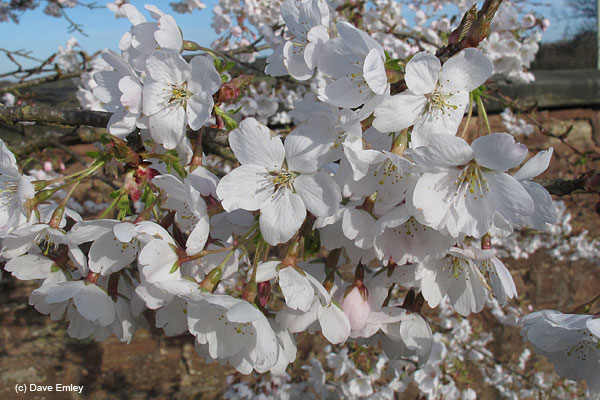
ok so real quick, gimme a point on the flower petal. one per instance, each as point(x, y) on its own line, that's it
point(399, 112)
point(422, 73)
point(247, 187)
point(254, 143)
point(535, 165)
point(467, 70)
point(498, 151)
point(281, 216)
point(319, 192)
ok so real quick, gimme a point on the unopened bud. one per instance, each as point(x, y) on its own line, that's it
point(356, 306)
point(57, 217)
point(231, 90)
point(250, 292)
point(292, 255)
point(264, 292)
point(211, 280)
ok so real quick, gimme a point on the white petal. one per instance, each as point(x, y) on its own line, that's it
point(247, 187)
point(319, 192)
point(172, 186)
point(168, 36)
point(157, 259)
point(443, 151)
point(502, 282)
point(498, 151)
point(298, 293)
point(197, 239)
point(281, 217)
point(204, 77)
point(254, 143)
point(374, 72)
point(334, 323)
point(293, 56)
point(168, 67)
point(399, 112)
point(275, 66)
point(198, 110)
point(266, 271)
point(535, 165)
point(88, 231)
point(167, 126)
point(156, 96)
point(316, 36)
point(30, 266)
point(510, 198)
point(422, 73)
point(467, 70)
point(348, 92)
point(94, 305)
point(544, 209)
point(359, 41)
point(108, 254)
point(307, 145)
point(433, 194)
point(57, 293)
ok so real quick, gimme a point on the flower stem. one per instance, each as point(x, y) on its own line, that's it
point(483, 114)
point(463, 133)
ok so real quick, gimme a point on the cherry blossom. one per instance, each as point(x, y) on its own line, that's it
point(437, 95)
point(280, 181)
point(177, 94)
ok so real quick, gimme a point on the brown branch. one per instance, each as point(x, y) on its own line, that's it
point(214, 141)
point(217, 141)
point(60, 116)
point(473, 29)
point(40, 81)
point(589, 182)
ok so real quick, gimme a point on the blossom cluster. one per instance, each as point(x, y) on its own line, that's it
point(381, 179)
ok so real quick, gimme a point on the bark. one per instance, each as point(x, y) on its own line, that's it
point(216, 142)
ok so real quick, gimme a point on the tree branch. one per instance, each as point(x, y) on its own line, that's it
point(99, 119)
point(216, 141)
point(40, 81)
point(60, 116)
point(589, 182)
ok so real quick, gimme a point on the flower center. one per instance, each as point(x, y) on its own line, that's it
point(471, 180)
point(46, 243)
point(281, 179)
point(438, 100)
point(180, 94)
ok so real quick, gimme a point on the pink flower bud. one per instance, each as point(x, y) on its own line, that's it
point(528, 21)
point(47, 166)
point(236, 31)
point(356, 307)
point(545, 24)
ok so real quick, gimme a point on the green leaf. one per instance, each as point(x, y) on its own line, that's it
point(179, 169)
point(123, 206)
point(174, 267)
point(217, 62)
point(230, 123)
point(229, 66)
point(312, 244)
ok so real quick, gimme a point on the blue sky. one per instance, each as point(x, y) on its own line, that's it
point(43, 34)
